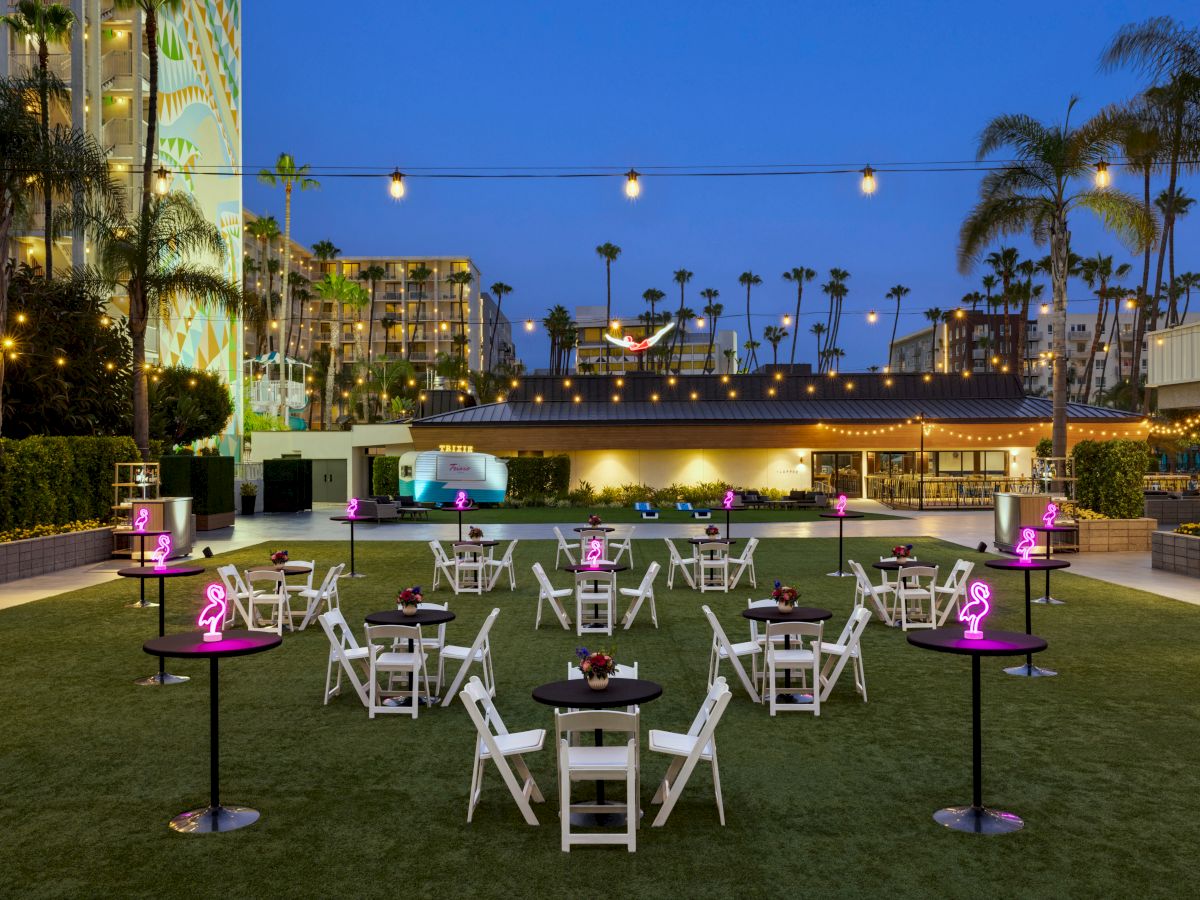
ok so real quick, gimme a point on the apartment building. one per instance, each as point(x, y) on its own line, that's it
point(1112, 364)
point(967, 340)
point(594, 354)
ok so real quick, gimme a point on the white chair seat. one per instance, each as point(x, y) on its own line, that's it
point(403, 659)
point(676, 744)
point(745, 648)
point(833, 649)
point(356, 653)
point(454, 651)
point(517, 742)
point(793, 657)
point(596, 759)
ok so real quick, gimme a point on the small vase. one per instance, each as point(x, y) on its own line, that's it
point(785, 607)
point(409, 609)
point(598, 684)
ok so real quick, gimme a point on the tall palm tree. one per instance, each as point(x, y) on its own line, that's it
point(563, 333)
point(652, 296)
point(751, 346)
point(933, 316)
point(337, 289)
point(419, 275)
point(681, 277)
point(773, 335)
point(325, 250)
point(713, 311)
point(896, 292)
point(372, 275)
point(461, 279)
point(148, 255)
point(47, 23)
point(1003, 263)
point(1037, 192)
point(289, 176)
point(838, 278)
point(609, 253)
point(797, 276)
point(1187, 282)
point(682, 317)
point(748, 280)
point(499, 289)
point(817, 330)
point(1097, 271)
point(1179, 205)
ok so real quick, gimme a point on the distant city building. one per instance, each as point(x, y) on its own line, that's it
point(594, 354)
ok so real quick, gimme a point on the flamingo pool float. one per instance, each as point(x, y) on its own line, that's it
point(462, 501)
point(1025, 546)
point(627, 343)
point(594, 553)
point(352, 508)
point(143, 518)
point(841, 504)
point(728, 501)
point(975, 609)
point(162, 551)
point(1050, 515)
point(214, 612)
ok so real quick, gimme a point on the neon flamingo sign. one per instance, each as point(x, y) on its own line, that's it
point(595, 553)
point(462, 501)
point(728, 501)
point(975, 609)
point(162, 551)
point(1025, 546)
point(628, 343)
point(352, 508)
point(841, 504)
point(1050, 515)
point(143, 517)
point(214, 612)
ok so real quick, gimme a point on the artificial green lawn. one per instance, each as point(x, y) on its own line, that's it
point(622, 515)
point(1099, 761)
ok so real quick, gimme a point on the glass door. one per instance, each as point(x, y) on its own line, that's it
point(839, 471)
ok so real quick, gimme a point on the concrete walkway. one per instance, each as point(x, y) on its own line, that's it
point(965, 528)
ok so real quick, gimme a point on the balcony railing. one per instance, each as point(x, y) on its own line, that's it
point(944, 491)
point(117, 64)
point(58, 64)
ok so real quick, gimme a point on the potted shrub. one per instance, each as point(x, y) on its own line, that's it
point(249, 497)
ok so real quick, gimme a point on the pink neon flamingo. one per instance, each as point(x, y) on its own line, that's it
point(595, 552)
point(214, 612)
point(1026, 544)
point(728, 501)
point(975, 609)
point(162, 551)
point(1050, 514)
point(143, 517)
point(352, 508)
point(841, 504)
point(462, 501)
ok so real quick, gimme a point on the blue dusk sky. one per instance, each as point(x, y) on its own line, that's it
point(553, 84)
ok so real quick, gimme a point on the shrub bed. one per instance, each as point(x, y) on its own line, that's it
point(56, 480)
point(1109, 476)
point(538, 476)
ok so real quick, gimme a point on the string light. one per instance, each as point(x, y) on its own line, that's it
point(529, 324)
point(868, 181)
point(1045, 309)
point(872, 317)
point(162, 180)
point(1103, 178)
point(787, 320)
point(397, 185)
point(632, 189)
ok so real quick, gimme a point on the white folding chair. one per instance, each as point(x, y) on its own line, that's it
point(326, 593)
point(623, 546)
point(712, 563)
point(743, 564)
point(497, 567)
point(433, 642)
point(722, 649)
point(595, 602)
point(794, 659)
point(642, 593)
point(949, 596)
point(273, 596)
point(565, 548)
point(470, 569)
point(848, 646)
point(914, 600)
point(614, 762)
point(344, 656)
point(587, 540)
point(500, 746)
point(392, 663)
point(306, 584)
point(864, 590)
point(480, 652)
point(756, 636)
point(685, 566)
point(441, 566)
point(686, 750)
point(238, 593)
point(552, 596)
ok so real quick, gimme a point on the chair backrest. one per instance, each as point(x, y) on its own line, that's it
point(485, 630)
point(544, 584)
point(232, 579)
point(508, 553)
point(711, 709)
point(713, 552)
point(337, 630)
point(675, 557)
point(441, 628)
point(330, 579)
point(751, 603)
point(574, 673)
point(588, 720)
point(604, 581)
point(799, 630)
point(377, 635)
point(439, 554)
point(959, 574)
point(854, 626)
point(748, 550)
point(909, 578)
point(312, 568)
point(860, 579)
point(562, 541)
point(270, 577)
point(647, 584)
point(483, 713)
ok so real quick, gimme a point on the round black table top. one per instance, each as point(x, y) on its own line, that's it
point(576, 693)
point(191, 644)
point(1036, 563)
point(848, 514)
point(345, 518)
point(144, 534)
point(1054, 529)
point(594, 528)
point(420, 617)
point(151, 572)
point(285, 569)
point(453, 508)
point(798, 614)
point(598, 567)
point(993, 643)
point(712, 540)
point(476, 543)
point(891, 565)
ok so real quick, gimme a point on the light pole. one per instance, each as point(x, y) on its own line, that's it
point(921, 464)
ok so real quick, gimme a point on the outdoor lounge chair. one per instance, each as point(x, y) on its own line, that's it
point(694, 512)
point(646, 510)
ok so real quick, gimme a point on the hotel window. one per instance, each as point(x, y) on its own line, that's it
point(350, 270)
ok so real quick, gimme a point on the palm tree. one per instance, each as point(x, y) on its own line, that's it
point(797, 276)
point(499, 289)
point(748, 280)
point(148, 256)
point(419, 275)
point(462, 279)
point(773, 334)
point(1003, 263)
point(47, 23)
point(651, 296)
point(562, 331)
point(837, 296)
point(324, 250)
point(339, 290)
point(817, 331)
point(1187, 281)
point(609, 253)
point(681, 277)
point(897, 292)
point(1097, 271)
point(1036, 193)
point(289, 176)
point(752, 346)
point(372, 275)
point(1180, 205)
point(933, 316)
point(682, 316)
point(713, 311)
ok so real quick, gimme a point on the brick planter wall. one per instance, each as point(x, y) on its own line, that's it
point(1115, 535)
point(37, 556)
point(1176, 553)
point(1173, 512)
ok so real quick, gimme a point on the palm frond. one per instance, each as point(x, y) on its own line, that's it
point(1122, 214)
point(992, 218)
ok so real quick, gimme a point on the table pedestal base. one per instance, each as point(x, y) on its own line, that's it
point(839, 574)
point(161, 678)
point(140, 604)
point(1049, 601)
point(978, 820)
point(214, 818)
point(1028, 670)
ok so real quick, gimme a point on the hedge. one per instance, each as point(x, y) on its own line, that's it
point(385, 476)
point(1109, 477)
point(56, 480)
point(208, 480)
point(538, 476)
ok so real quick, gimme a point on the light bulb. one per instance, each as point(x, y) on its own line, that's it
point(1045, 308)
point(699, 323)
point(632, 188)
point(529, 324)
point(872, 317)
point(614, 325)
point(868, 180)
point(397, 186)
point(1103, 177)
point(162, 180)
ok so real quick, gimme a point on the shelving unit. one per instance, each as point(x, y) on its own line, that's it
point(132, 482)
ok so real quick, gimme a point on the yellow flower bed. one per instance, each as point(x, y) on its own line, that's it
point(1192, 528)
point(1077, 512)
point(35, 531)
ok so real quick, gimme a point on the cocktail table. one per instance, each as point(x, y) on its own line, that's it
point(162, 676)
point(841, 517)
point(1028, 670)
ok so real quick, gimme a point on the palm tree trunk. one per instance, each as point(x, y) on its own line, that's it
point(6, 220)
point(1172, 300)
point(712, 336)
point(607, 311)
point(370, 340)
point(491, 359)
point(753, 361)
point(1059, 258)
point(796, 320)
point(47, 202)
point(151, 29)
point(1139, 316)
point(283, 293)
point(462, 324)
point(892, 342)
point(1101, 306)
point(141, 406)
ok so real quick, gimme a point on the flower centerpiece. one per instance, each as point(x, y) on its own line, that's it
point(596, 667)
point(902, 551)
point(407, 600)
point(279, 558)
point(785, 597)
point(712, 530)
point(593, 521)
point(475, 533)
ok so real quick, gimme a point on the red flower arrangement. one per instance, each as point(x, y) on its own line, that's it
point(597, 665)
point(475, 533)
point(902, 551)
point(409, 597)
point(712, 530)
point(279, 557)
point(784, 594)
point(593, 520)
